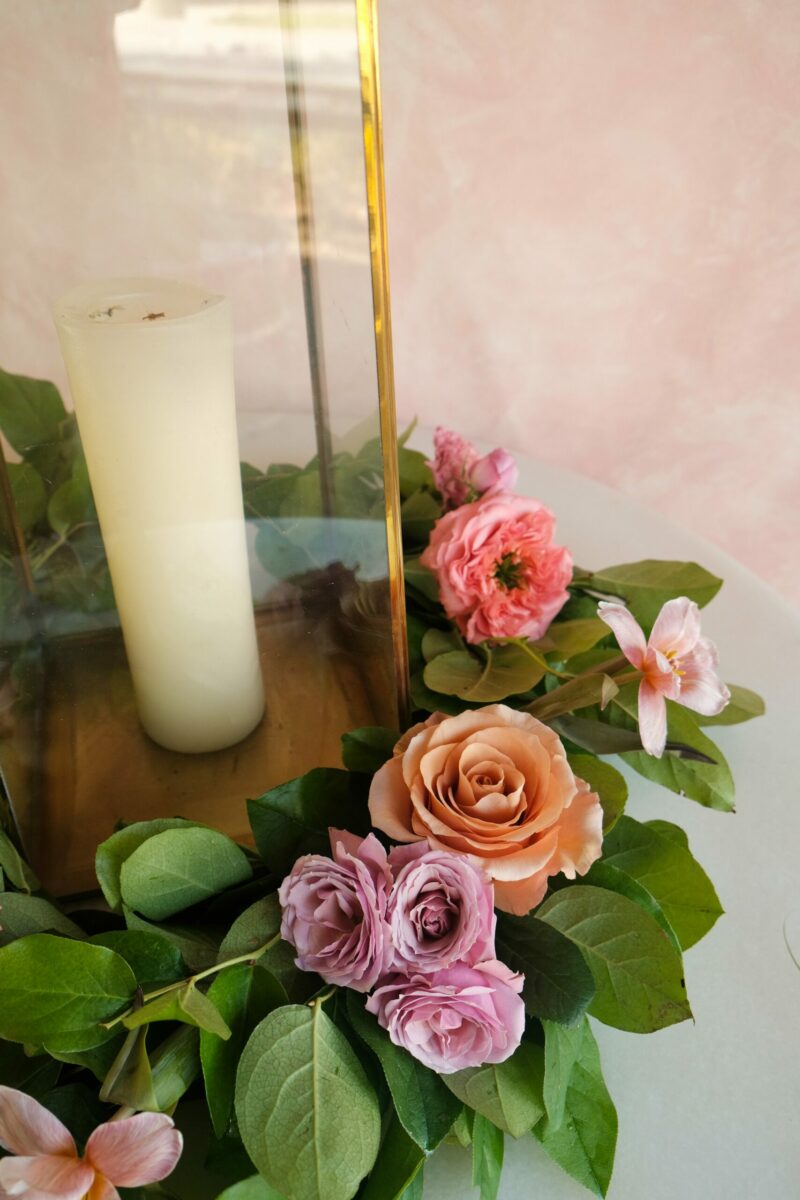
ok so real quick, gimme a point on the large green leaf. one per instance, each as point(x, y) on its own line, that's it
point(71, 504)
point(558, 983)
point(424, 1106)
point(30, 496)
point(606, 781)
point(177, 868)
point(562, 1046)
point(243, 995)
point(115, 850)
point(252, 929)
point(487, 1157)
point(294, 818)
point(55, 992)
point(669, 872)
point(492, 674)
point(647, 585)
point(398, 1165)
point(637, 971)
point(299, 1086)
point(154, 959)
point(509, 1093)
point(31, 411)
point(175, 1065)
point(196, 944)
point(129, 1080)
point(21, 915)
point(15, 867)
point(254, 1188)
point(367, 749)
point(582, 692)
point(565, 639)
point(603, 875)
point(583, 1141)
point(419, 513)
point(186, 1004)
point(742, 706)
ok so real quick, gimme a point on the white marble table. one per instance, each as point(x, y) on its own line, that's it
point(711, 1109)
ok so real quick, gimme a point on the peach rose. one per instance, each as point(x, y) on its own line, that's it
point(493, 783)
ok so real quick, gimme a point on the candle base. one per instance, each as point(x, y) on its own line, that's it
point(195, 740)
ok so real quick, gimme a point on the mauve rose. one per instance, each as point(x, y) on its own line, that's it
point(461, 474)
point(496, 471)
point(493, 783)
point(334, 912)
point(441, 909)
point(460, 1017)
point(498, 571)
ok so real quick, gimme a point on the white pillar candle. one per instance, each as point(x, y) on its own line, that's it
point(150, 366)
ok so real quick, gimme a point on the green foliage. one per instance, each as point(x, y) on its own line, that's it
point(509, 1094)
point(367, 749)
point(603, 875)
point(581, 692)
point(178, 868)
point(565, 639)
point(562, 1046)
point(21, 915)
point(129, 1079)
point(606, 781)
point(487, 1157)
point(646, 586)
point(31, 412)
point(15, 867)
point(186, 1004)
point(424, 1105)
point(117, 849)
point(583, 1140)
point(29, 494)
point(397, 1167)
point(743, 705)
point(56, 992)
point(255, 927)
point(487, 674)
point(254, 1188)
point(637, 971)
point(559, 985)
point(154, 960)
point(299, 1085)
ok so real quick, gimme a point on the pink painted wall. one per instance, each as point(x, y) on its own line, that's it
point(594, 208)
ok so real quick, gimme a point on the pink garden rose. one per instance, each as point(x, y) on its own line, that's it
point(460, 473)
point(495, 784)
point(676, 664)
point(459, 1017)
point(441, 909)
point(44, 1163)
point(334, 912)
point(498, 571)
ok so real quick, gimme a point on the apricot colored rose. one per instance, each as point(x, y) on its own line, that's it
point(495, 784)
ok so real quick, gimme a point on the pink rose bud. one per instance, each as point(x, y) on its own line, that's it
point(495, 472)
point(498, 570)
point(441, 909)
point(453, 460)
point(460, 1017)
point(334, 912)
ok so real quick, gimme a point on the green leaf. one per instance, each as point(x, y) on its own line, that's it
point(31, 411)
point(243, 995)
point(603, 875)
point(596, 736)
point(743, 705)
point(187, 1005)
point(669, 872)
point(423, 698)
point(606, 781)
point(509, 1094)
point(568, 638)
point(367, 749)
point(637, 971)
point(129, 1080)
point(487, 1157)
point(21, 915)
point(414, 471)
point(254, 1188)
point(180, 867)
point(154, 960)
point(71, 504)
point(298, 1087)
point(558, 983)
point(440, 641)
point(581, 692)
point(647, 585)
point(709, 783)
point(15, 867)
point(175, 1064)
point(293, 818)
point(673, 833)
point(562, 1047)
point(424, 1105)
point(419, 513)
point(252, 929)
point(584, 1140)
point(197, 946)
point(55, 992)
point(28, 491)
point(421, 579)
point(398, 1165)
point(115, 850)
point(35, 1075)
point(500, 671)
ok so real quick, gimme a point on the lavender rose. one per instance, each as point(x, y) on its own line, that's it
point(460, 1017)
point(441, 909)
point(334, 912)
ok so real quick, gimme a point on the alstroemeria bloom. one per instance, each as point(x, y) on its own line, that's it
point(129, 1153)
point(676, 664)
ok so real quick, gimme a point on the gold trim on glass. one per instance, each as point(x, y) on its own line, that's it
point(367, 18)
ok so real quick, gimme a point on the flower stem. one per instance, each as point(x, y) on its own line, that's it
point(318, 1001)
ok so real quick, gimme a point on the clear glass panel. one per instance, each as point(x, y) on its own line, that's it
point(219, 145)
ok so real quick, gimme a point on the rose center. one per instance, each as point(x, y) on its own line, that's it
point(434, 919)
point(508, 571)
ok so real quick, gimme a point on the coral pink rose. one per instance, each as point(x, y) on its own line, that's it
point(493, 783)
point(498, 571)
point(452, 1019)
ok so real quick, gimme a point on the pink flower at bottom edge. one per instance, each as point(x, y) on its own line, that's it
point(44, 1158)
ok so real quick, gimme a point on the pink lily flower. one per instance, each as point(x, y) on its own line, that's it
point(676, 664)
point(127, 1153)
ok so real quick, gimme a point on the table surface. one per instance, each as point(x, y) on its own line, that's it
point(707, 1109)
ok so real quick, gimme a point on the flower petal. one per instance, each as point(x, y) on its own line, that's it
point(652, 719)
point(141, 1149)
point(701, 687)
point(26, 1127)
point(45, 1175)
point(102, 1189)
point(677, 627)
point(580, 834)
point(626, 630)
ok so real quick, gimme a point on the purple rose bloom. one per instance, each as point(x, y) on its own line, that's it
point(334, 912)
point(441, 910)
point(456, 1018)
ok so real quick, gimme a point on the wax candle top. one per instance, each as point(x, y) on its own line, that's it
point(140, 302)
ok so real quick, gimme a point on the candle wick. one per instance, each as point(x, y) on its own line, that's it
point(153, 316)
